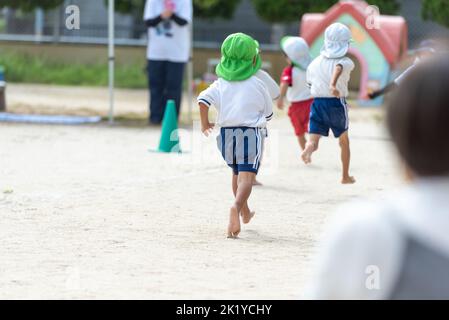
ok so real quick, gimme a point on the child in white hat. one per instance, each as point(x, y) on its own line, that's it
point(328, 76)
point(294, 85)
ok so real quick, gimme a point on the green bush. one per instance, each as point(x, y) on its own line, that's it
point(32, 69)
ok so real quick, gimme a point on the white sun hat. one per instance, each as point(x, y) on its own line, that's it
point(297, 51)
point(337, 38)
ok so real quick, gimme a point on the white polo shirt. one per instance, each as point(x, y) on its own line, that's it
point(298, 89)
point(319, 76)
point(168, 41)
point(272, 86)
point(239, 103)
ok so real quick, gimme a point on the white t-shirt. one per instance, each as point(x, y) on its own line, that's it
point(366, 240)
point(239, 103)
point(272, 86)
point(298, 90)
point(168, 41)
point(319, 76)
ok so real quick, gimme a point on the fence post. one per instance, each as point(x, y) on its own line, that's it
point(2, 90)
point(38, 24)
point(56, 24)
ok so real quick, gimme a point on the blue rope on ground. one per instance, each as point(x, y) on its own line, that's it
point(47, 119)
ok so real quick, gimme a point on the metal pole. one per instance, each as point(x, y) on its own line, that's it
point(190, 75)
point(56, 24)
point(2, 90)
point(111, 57)
point(38, 24)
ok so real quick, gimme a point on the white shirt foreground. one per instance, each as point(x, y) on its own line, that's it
point(363, 253)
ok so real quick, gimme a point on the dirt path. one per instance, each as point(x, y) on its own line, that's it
point(88, 212)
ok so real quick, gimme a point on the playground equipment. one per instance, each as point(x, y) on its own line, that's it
point(169, 141)
point(379, 43)
point(2, 89)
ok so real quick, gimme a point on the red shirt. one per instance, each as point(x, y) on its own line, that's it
point(287, 76)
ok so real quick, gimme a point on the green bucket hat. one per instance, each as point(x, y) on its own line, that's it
point(238, 52)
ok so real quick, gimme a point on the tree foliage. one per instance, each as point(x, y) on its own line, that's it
point(215, 8)
point(390, 7)
point(285, 11)
point(436, 10)
point(29, 5)
point(128, 6)
point(201, 8)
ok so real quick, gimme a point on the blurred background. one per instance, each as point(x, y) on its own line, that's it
point(36, 46)
point(87, 212)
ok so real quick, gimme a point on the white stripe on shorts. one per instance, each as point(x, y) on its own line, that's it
point(258, 154)
point(345, 106)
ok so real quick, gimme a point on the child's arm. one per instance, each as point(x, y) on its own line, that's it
point(206, 98)
point(206, 126)
point(389, 87)
point(280, 102)
point(335, 76)
point(286, 81)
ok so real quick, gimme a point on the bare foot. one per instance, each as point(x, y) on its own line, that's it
point(307, 153)
point(257, 183)
point(234, 223)
point(348, 180)
point(247, 215)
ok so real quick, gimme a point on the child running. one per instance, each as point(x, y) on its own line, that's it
point(294, 86)
point(244, 106)
point(328, 76)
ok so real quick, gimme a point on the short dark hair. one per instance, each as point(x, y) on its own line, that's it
point(418, 118)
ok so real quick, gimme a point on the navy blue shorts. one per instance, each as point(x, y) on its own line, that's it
point(241, 148)
point(329, 114)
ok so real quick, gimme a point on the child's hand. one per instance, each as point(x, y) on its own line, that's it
point(280, 103)
point(166, 14)
point(206, 128)
point(373, 95)
point(334, 91)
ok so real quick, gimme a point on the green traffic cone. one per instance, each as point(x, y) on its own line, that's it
point(169, 137)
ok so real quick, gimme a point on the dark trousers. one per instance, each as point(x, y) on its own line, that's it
point(165, 83)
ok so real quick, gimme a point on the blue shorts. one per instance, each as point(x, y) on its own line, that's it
point(329, 113)
point(241, 148)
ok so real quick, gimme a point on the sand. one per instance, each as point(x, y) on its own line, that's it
point(89, 212)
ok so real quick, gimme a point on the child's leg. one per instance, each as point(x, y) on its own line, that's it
point(302, 141)
point(310, 147)
point(244, 187)
point(234, 218)
point(345, 158)
point(246, 213)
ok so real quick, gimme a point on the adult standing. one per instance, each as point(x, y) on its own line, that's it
point(168, 52)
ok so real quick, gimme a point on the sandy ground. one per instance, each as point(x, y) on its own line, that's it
point(89, 212)
point(36, 98)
